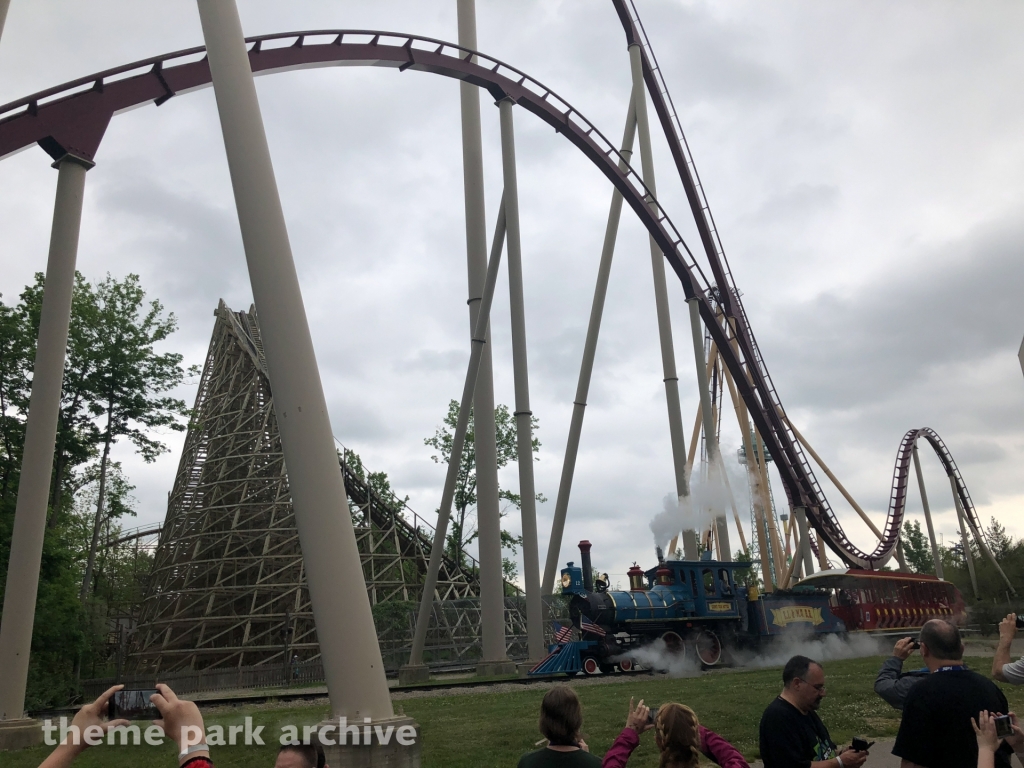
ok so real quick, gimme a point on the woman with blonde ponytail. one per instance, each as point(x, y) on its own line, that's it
point(680, 737)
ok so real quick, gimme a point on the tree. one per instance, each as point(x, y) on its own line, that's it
point(77, 432)
point(916, 548)
point(127, 379)
point(16, 353)
point(997, 539)
point(465, 484)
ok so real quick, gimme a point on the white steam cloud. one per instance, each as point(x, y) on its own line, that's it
point(775, 652)
point(709, 498)
point(658, 657)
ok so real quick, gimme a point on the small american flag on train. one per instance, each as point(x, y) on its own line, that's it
point(588, 626)
point(562, 634)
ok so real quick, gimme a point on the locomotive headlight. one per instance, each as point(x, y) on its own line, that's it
point(566, 580)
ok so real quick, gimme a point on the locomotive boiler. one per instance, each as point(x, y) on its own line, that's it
point(698, 608)
point(693, 606)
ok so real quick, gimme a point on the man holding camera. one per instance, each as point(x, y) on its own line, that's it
point(1002, 668)
point(936, 730)
point(792, 735)
point(892, 683)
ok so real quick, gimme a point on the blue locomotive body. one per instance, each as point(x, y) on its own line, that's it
point(692, 606)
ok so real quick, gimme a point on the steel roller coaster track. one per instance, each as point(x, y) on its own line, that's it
point(798, 477)
point(73, 117)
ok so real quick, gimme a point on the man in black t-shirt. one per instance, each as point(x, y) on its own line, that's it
point(936, 729)
point(792, 735)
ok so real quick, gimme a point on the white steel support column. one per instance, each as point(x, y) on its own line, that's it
point(351, 656)
point(715, 466)
point(492, 585)
point(668, 355)
point(4, 5)
point(19, 605)
point(766, 489)
point(415, 670)
point(572, 445)
point(936, 557)
point(807, 558)
point(521, 375)
point(964, 541)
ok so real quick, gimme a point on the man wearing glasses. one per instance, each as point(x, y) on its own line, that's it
point(792, 734)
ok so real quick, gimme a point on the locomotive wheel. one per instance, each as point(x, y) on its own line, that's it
point(674, 643)
point(590, 666)
point(708, 647)
point(626, 665)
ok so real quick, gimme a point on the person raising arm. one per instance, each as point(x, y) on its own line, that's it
point(88, 724)
point(1003, 669)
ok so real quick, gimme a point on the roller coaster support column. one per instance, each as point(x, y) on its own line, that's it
point(492, 585)
point(964, 541)
point(668, 355)
point(760, 535)
point(521, 375)
point(804, 553)
point(766, 491)
point(415, 670)
point(4, 5)
point(351, 656)
point(936, 557)
point(715, 469)
point(572, 445)
point(19, 607)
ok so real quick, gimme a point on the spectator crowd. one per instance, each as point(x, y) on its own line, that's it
point(952, 717)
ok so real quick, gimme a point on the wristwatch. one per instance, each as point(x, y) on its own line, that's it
point(204, 747)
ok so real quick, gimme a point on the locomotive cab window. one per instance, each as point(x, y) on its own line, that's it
point(723, 575)
point(709, 582)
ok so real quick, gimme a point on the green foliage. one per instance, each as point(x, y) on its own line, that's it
point(465, 499)
point(392, 618)
point(745, 576)
point(916, 549)
point(114, 386)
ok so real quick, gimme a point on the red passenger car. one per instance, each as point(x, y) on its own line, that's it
point(888, 600)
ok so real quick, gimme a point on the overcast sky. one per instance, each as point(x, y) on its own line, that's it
point(864, 162)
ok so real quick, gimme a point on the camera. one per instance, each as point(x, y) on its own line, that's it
point(860, 744)
point(1004, 727)
point(915, 643)
point(133, 704)
point(1020, 621)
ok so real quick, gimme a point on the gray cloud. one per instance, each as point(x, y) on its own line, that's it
point(863, 163)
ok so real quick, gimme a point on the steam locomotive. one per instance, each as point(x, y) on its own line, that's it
point(697, 607)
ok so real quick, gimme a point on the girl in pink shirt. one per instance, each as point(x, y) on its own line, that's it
point(679, 736)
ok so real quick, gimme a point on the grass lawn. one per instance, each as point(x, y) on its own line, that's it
point(483, 730)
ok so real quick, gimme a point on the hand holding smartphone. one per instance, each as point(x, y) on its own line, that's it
point(860, 744)
point(133, 704)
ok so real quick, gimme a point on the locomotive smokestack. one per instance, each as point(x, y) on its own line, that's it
point(588, 575)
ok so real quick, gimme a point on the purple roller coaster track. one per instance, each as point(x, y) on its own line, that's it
point(72, 118)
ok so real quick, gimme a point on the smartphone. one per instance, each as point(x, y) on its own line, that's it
point(915, 644)
point(860, 744)
point(1004, 727)
point(652, 714)
point(133, 704)
point(1020, 621)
